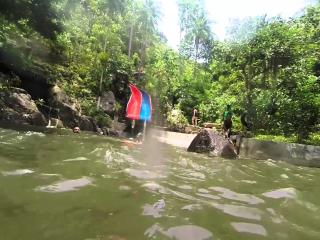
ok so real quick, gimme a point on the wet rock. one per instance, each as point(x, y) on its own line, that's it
point(298, 154)
point(111, 132)
point(207, 141)
point(99, 131)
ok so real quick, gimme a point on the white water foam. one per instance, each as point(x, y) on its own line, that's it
point(30, 133)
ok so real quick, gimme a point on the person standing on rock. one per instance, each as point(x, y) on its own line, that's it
point(227, 121)
point(194, 118)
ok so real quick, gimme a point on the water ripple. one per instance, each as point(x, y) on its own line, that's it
point(249, 228)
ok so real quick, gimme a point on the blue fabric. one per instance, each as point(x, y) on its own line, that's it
point(145, 113)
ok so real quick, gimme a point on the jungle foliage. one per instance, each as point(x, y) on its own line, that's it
point(268, 68)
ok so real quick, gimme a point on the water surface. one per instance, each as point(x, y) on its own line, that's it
point(94, 188)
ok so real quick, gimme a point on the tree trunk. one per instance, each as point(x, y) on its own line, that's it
point(130, 41)
point(101, 76)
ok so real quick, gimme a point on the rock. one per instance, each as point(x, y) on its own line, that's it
point(99, 131)
point(38, 119)
point(207, 141)
point(114, 133)
point(107, 102)
point(68, 108)
point(85, 123)
point(55, 94)
point(110, 132)
point(17, 107)
point(192, 129)
point(118, 126)
point(212, 125)
point(56, 123)
point(298, 154)
point(21, 102)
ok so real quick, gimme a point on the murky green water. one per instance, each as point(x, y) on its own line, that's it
point(90, 187)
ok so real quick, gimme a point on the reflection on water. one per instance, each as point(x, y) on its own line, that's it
point(65, 186)
point(184, 232)
point(188, 232)
point(17, 172)
point(281, 193)
point(240, 211)
point(155, 209)
point(226, 193)
point(76, 159)
point(91, 187)
point(143, 174)
point(249, 228)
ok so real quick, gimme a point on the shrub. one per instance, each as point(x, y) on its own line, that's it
point(176, 120)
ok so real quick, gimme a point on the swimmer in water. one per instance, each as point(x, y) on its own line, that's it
point(76, 130)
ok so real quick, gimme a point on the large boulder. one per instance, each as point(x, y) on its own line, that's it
point(17, 107)
point(107, 102)
point(208, 141)
point(86, 123)
point(67, 109)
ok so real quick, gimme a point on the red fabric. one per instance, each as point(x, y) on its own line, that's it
point(134, 104)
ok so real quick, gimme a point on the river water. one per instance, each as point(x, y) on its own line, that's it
point(87, 187)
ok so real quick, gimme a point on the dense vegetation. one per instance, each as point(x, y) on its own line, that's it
point(268, 68)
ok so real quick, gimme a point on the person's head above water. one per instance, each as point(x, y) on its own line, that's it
point(76, 130)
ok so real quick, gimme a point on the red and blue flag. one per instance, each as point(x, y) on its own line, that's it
point(139, 106)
